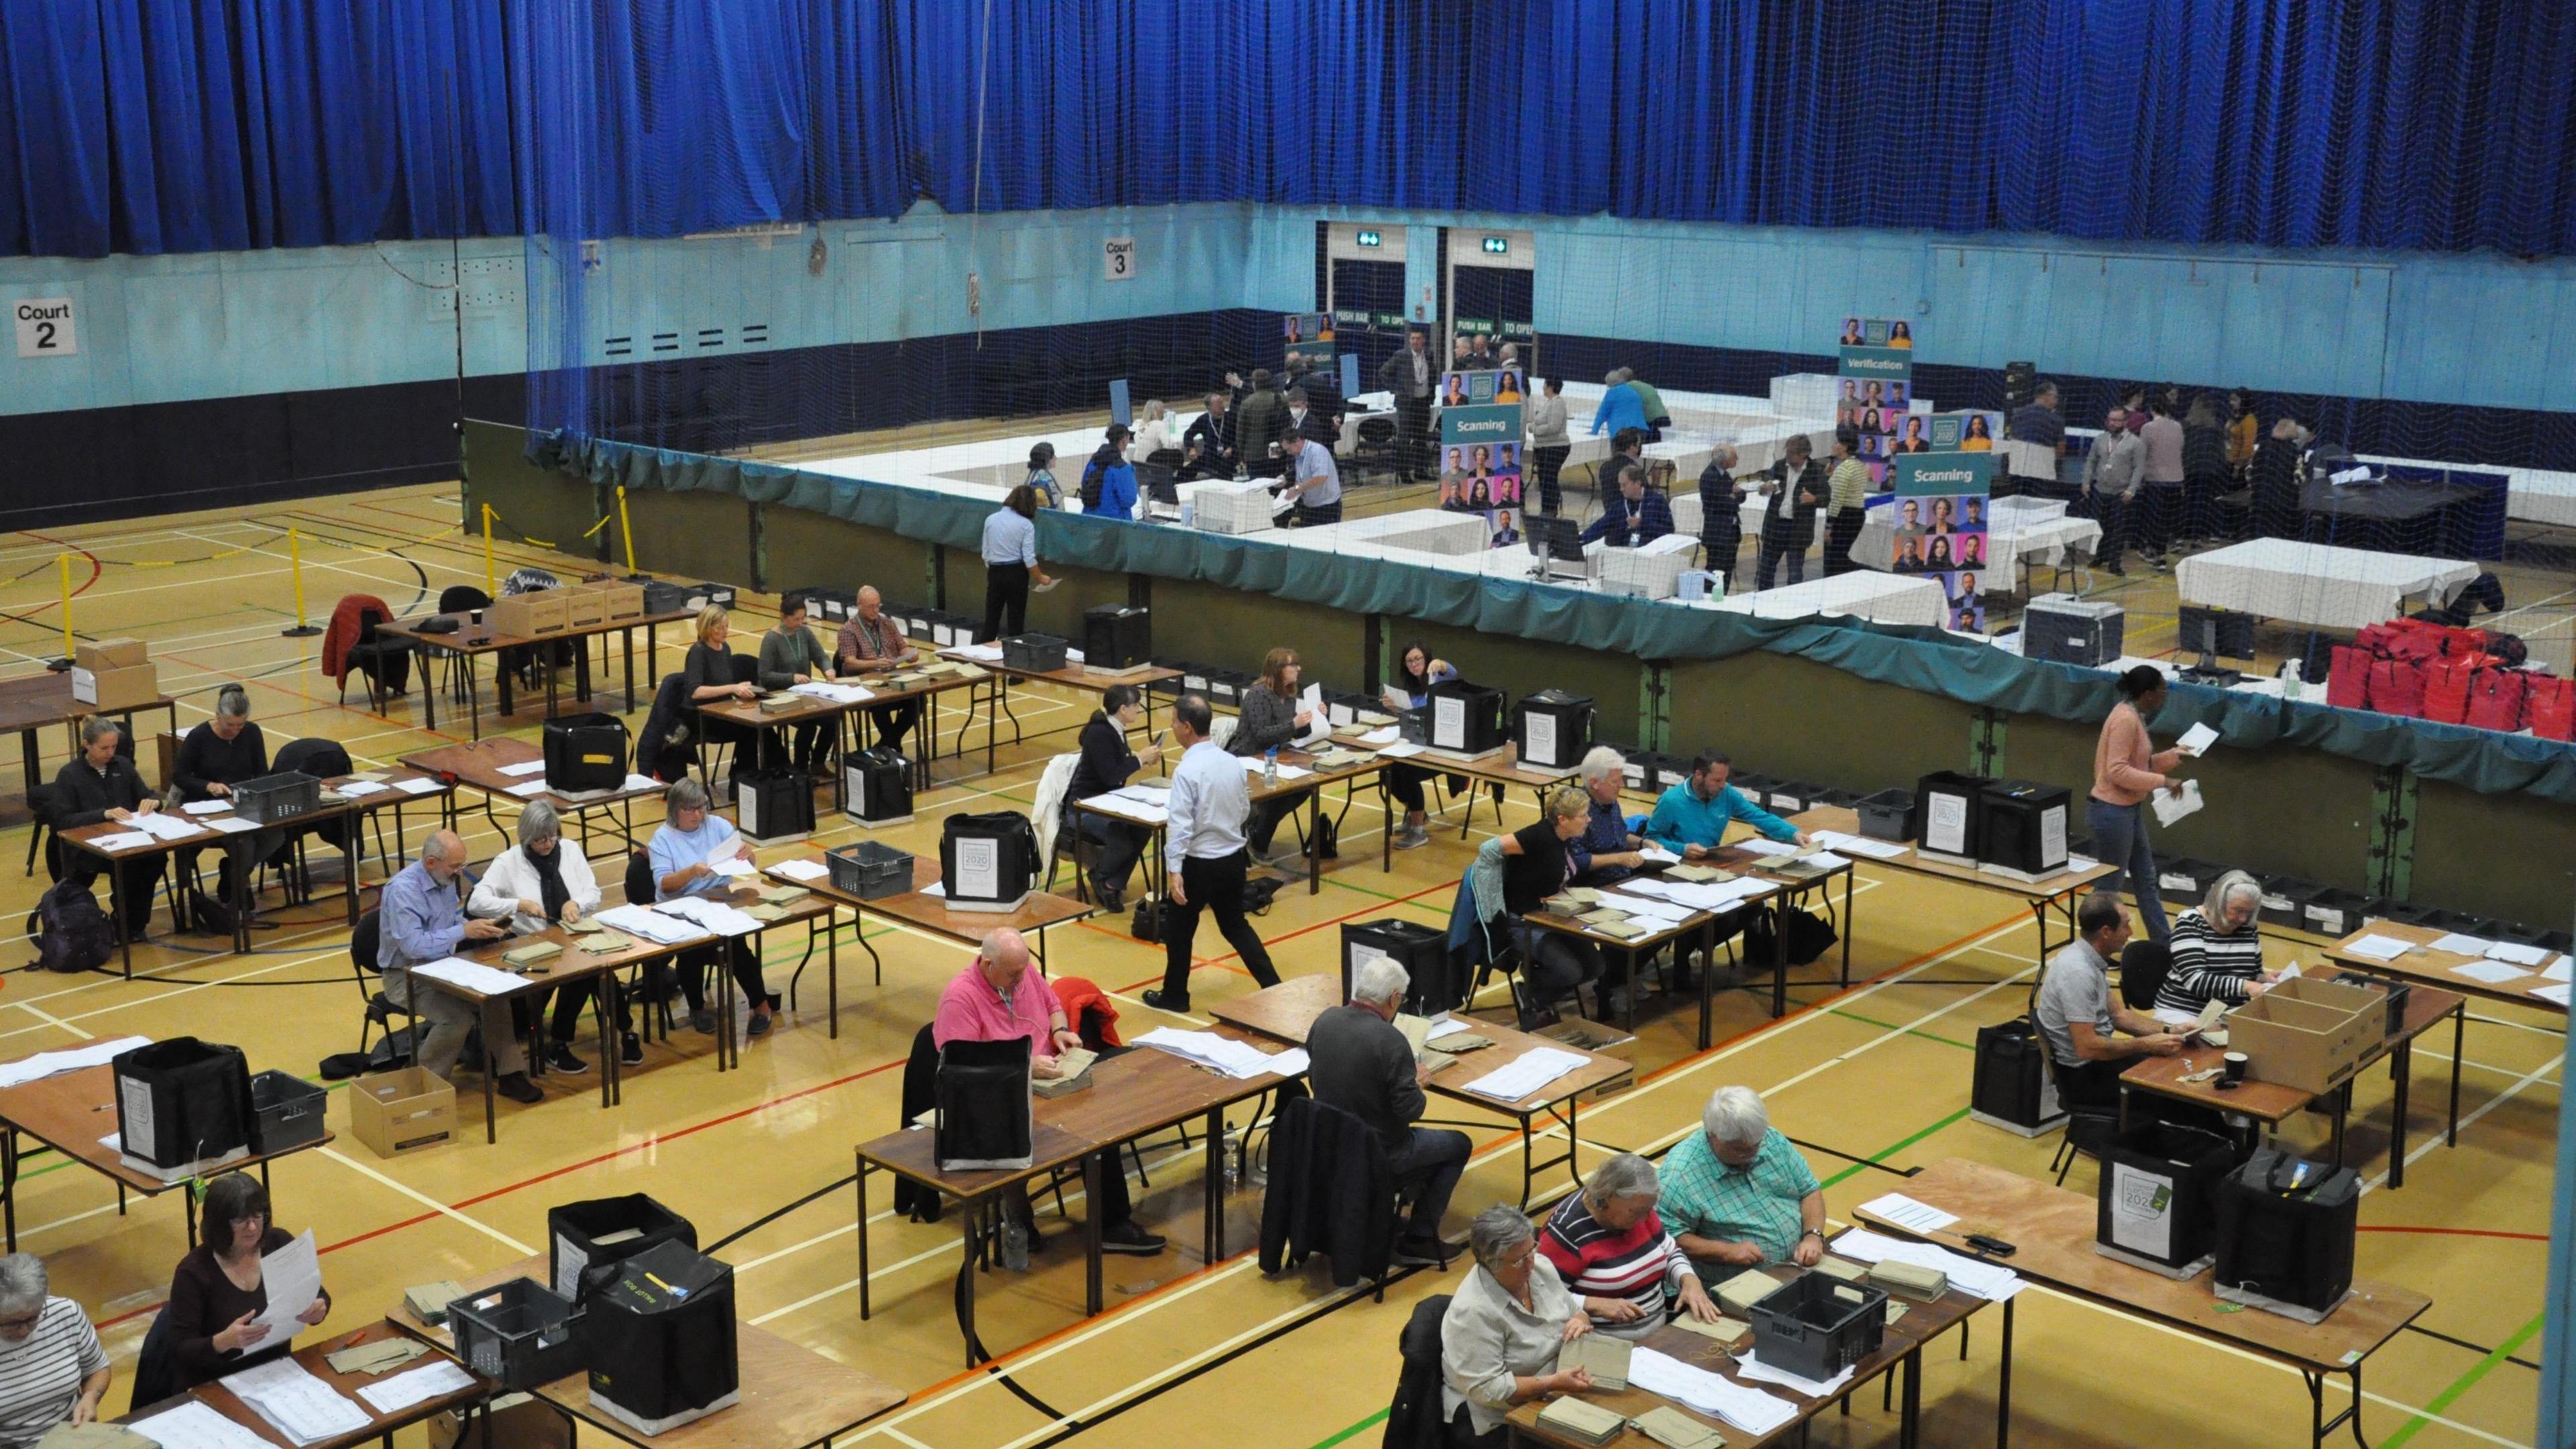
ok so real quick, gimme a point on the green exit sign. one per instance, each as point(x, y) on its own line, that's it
point(1370, 239)
point(1498, 245)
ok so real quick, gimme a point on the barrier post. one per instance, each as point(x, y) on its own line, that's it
point(491, 584)
point(59, 665)
point(626, 530)
point(304, 627)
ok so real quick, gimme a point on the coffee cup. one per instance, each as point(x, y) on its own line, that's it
point(2234, 1063)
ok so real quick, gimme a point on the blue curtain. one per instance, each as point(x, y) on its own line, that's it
point(182, 125)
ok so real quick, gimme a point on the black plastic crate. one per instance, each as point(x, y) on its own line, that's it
point(2333, 911)
point(586, 1240)
point(1815, 1325)
point(1037, 653)
point(829, 604)
point(2404, 913)
point(286, 1111)
point(2285, 900)
point(2183, 881)
point(276, 797)
point(518, 1335)
point(1834, 795)
point(869, 869)
point(1887, 815)
point(1790, 797)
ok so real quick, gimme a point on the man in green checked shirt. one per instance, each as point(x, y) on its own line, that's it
point(1737, 1194)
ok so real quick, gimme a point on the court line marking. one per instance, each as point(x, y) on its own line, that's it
point(425, 1200)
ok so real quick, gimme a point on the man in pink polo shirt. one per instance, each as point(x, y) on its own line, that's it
point(997, 997)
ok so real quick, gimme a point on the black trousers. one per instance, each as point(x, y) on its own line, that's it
point(1413, 430)
point(1773, 554)
point(2113, 513)
point(735, 953)
point(1842, 530)
point(1214, 886)
point(1120, 844)
point(1721, 550)
point(894, 721)
point(1006, 601)
point(2160, 511)
point(1321, 513)
point(1550, 460)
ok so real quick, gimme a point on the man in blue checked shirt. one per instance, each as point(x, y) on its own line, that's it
point(1691, 817)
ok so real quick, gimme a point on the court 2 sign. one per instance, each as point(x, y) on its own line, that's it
point(45, 327)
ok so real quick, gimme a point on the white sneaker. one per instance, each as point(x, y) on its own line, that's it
point(1412, 838)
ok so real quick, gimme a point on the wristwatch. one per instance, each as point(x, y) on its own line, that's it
point(1816, 1233)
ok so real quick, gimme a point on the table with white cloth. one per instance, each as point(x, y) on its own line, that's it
point(2036, 531)
point(2317, 584)
point(1860, 594)
point(2540, 496)
point(1688, 515)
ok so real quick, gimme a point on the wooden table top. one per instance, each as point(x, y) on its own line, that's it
point(1738, 861)
point(1922, 1323)
point(481, 762)
point(2437, 967)
point(2271, 1102)
point(791, 1395)
point(472, 638)
point(931, 913)
point(223, 1401)
point(1501, 766)
point(748, 713)
point(1846, 820)
point(70, 1111)
point(1078, 676)
point(2053, 1229)
point(36, 700)
point(207, 837)
point(1287, 1011)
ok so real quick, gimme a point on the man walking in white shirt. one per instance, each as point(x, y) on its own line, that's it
point(1203, 856)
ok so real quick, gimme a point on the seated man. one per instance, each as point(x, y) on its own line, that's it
point(1737, 1195)
point(871, 644)
point(685, 852)
point(995, 998)
point(422, 920)
point(1691, 817)
point(1633, 515)
point(2078, 1012)
point(1361, 1064)
point(1605, 852)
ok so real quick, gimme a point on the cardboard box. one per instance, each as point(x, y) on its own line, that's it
point(117, 688)
point(1603, 1038)
point(529, 616)
point(101, 654)
point(403, 1111)
point(2309, 1035)
point(619, 600)
point(584, 609)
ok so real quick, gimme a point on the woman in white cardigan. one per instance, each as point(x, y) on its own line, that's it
point(539, 883)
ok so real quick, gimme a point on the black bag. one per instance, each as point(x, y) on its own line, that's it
point(587, 1241)
point(660, 1340)
point(1257, 894)
point(585, 752)
point(877, 786)
point(984, 1115)
point(181, 1101)
point(1810, 937)
point(72, 933)
point(2288, 1243)
point(1147, 924)
point(2011, 1086)
point(988, 862)
point(1328, 838)
point(773, 804)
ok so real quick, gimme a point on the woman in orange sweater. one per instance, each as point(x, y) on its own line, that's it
point(2126, 770)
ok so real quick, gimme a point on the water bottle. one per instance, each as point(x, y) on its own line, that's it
point(1270, 766)
point(2291, 680)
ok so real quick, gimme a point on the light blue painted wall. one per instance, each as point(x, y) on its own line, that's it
point(2478, 329)
point(2427, 328)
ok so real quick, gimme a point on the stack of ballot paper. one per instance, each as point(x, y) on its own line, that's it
point(1237, 1059)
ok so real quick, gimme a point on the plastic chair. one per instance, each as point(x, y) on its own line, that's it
point(1377, 454)
point(379, 660)
point(364, 944)
point(2144, 965)
point(2088, 1130)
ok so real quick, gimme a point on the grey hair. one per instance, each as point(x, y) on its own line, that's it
point(429, 846)
point(1381, 981)
point(233, 702)
point(1735, 1114)
point(23, 1283)
point(686, 794)
point(96, 727)
point(1495, 1230)
point(538, 821)
point(1600, 762)
point(1726, 455)
point(2226, 888)
point(1623, 1174)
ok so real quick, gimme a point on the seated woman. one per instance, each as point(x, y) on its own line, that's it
point(1500, 1338)
point(1536, 865)
point(52, 1370)
point(1413, 679)
point(1105, 764)
point(217, 1292)
point(684, 853)
point(218, 754)
point(2217, 951)
point(538, 883)
point(1269, 719)
point(1611, 1249)
point(99, 785)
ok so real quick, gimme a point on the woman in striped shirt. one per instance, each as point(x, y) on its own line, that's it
point(52, 1370)
point(2217, 952)
point(1613, 1253)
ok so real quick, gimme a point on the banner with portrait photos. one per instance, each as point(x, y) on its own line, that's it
point(1941, 511)
point(1307, 335)
point(1480, 447)
point(1876, 394)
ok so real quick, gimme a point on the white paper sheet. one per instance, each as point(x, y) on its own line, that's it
point(442, 1376)
point(2555, 994)
point(420, 786)
point(193, 1425)
point(2511, 953)
point(361, 789)
point(1740, 1405)
point(472, 975)
point(288, 1395)
point(2196, 741)
point(293, 1277)
point(1649, 907)
point(715, 915)
point(736, 867)
point(524, 769)
point(1237, 1059)
point(2376, 947)
point(1768, 848)
point(640, 782)
point(1445, 1026)
point(1128, 809)
point(1749, 1366)
point(2559, 970)
point(1529, 1072)
point(1253, 765)
point(2492, 973)
point(230, 824)
point(2459, 945)
point(832, 693)
point(121, 840)
point(218, 807)
point(650, 925)
point(1385, 736)
point(2174, 803)
point(70, 1059)
point(1310, 701)
point(937, 890)
point(1905, 1212)
point(1653, 854)
point(1972, 1276)
point(167, 827)
point(1399, 751)
point(801, 871)
point(530, 790)
point(1861, 845)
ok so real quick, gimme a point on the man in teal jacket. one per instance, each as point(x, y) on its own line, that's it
point(1691, 817)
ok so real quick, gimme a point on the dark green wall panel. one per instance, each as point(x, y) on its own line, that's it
point(2497, 855)
point(806, 550)
point(1797, 720)
point(697, 535)
point(1522, 667)
point(530, 502)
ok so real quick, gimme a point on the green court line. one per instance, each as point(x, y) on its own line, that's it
point(2463, 1383)
point(1893, 1148)
point(1891, 1026)
point(1363, 1425)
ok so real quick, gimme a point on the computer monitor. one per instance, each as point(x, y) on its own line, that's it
point(1556, 541)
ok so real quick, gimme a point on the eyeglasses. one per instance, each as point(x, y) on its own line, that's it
point(21, 1327)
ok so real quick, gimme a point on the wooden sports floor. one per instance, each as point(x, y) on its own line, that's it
point(1873, 1080)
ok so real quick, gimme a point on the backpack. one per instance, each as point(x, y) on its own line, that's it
point(1810, 937)
point(72, 933)
point(1092, 483)
point(1258, 892)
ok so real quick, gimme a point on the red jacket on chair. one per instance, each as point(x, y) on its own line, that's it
point(343, 631)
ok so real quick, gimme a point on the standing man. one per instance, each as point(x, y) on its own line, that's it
point(1799, 481)
point(2111, 474)
point(1203, 855)
point(1721, 523)
point(1408, 375)
point(1846, 494)
point(871, 644)
point(421, 920)
point(1258, 426)
point(2035, 442)
point(1361, 1064)
point(2160, 467)
point(1313, 478)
